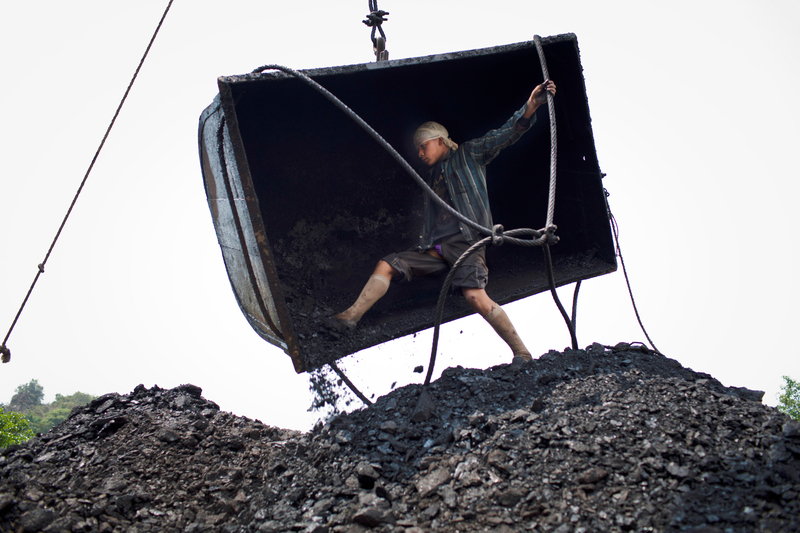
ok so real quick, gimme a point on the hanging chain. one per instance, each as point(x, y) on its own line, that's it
point(374, 20)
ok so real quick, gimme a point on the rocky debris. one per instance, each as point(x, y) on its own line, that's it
point(603, 439)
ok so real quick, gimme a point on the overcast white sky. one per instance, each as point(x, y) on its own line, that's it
point(695, 116)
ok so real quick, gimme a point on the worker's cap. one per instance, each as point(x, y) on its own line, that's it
point(433, 130)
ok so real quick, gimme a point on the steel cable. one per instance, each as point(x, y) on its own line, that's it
point(627, 281)
point(497, 236)
point(552, 283)
point(349, 383)
point(550, 227)
point(542, 236)
point(575, 304)
point(551, 201)
point(551, 110)
point(4, 351)
point(446, 286)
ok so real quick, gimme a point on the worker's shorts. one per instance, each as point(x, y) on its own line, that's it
point(473, 272)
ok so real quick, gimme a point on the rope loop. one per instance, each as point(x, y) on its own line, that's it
point(41, 267)
point(497, 235)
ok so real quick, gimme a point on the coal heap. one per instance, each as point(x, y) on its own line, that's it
point(603, 439)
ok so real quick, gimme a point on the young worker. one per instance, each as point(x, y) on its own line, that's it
point(457, 175)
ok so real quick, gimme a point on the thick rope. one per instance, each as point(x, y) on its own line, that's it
point(349, 383)
point(437, 322)
point(575, 305)
point(551, 109)
point(551, 202)
point(6, 353)
point(552, 282)
point(542, 236)
point(496, 235)
point(545, 245)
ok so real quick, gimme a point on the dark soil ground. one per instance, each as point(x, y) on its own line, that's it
point(604, 439)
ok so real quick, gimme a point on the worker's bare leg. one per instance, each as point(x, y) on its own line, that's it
point(480, 302)
point(376, 287)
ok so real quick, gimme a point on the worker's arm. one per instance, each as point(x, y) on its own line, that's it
point(486, 148)
point(539, 97)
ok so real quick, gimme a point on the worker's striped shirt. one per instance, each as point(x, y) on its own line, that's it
point(465, 172)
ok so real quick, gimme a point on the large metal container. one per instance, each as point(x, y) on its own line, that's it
point(305, 203)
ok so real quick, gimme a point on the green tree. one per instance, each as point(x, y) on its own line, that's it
point(41, 417)
point(27, 396)
point(789, 401)
point(14, 429)
point(73, 400)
